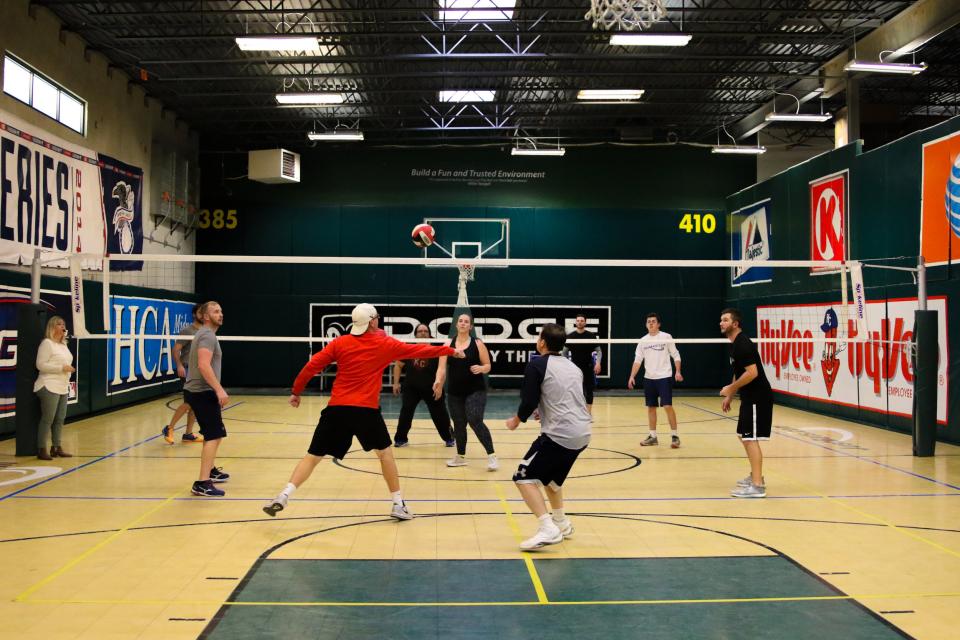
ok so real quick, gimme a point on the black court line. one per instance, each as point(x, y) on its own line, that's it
point(848, 455)
point(221, 612)
point(94, 461)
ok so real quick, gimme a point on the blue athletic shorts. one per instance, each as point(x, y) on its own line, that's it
point(660, 389)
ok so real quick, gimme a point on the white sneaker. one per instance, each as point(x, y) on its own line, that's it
point(492, 464)
point(565, 526)
point(276, 505)
point(750, 491)
point(746, 482)
point(545, 535)
point(457, 461)
point(400, 512)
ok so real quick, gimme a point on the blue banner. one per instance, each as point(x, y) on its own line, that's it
point(134, 362)
point(751, 235)
point(122, 188)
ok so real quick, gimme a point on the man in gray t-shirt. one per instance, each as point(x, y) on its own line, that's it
point(181, 351)
point(205, 395)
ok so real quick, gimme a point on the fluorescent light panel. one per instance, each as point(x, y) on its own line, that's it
point(609, 94)
point(734, 149)
point(885, 67)
point(287, 44)
point(476, 10)
point(309, 98)
point(650, 39)
point(337, 134)
point(467, 96)
point(798, 117)
point(538, 152)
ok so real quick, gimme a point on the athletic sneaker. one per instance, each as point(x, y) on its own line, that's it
point(400, 512)
point(565, 526)
point(750, 491)
point(457, 461)
point(746, 482)
point(674, 442)
point(217, 474)
point(167, 433)
point(276, 505)
point(449, 443)
point(400, 443)
point(549, 534)
point(492, 463)
point(651, 441)
point(206, 488)
point(192, 437)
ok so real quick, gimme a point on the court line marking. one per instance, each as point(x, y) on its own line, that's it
point(556, 603)
point(23, 596)
point(527, 560)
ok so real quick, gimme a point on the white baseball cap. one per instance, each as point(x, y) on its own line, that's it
point(362, 315)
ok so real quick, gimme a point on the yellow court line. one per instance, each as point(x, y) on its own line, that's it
point(867, 514)
point(89, 552)
point(527, 560)
point(553, 603)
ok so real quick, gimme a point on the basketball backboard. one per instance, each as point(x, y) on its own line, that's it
point(469, 238)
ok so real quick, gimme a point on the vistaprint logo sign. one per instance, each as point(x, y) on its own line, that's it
point(492, 323)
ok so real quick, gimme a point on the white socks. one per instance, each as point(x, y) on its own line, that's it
point(558, 515)
point(289, 489)
point(673, 433)
point(397, 498)
point(653, 433)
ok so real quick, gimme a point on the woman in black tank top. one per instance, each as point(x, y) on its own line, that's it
point(467, 392)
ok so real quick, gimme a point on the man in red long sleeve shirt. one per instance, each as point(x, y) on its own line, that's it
point(354, 406)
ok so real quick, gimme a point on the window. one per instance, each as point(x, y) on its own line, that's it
point(44, 95)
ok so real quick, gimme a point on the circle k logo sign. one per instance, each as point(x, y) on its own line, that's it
point(828, 214)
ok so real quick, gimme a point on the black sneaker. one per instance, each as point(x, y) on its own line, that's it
point(217, 474)
point(400, 443)
point(206, 488)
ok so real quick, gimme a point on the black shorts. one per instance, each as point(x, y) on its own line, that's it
point(546, 463)
point(661, 388)
point(589, 383)
point(755, 420)
point(338, 425)
point(206, 409)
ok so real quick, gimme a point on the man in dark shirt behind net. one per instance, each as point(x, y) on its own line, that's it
point(586, 356)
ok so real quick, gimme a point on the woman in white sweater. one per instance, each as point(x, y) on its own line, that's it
point(55, 363)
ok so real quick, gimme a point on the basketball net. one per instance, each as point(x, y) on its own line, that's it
point(625, 15)
point(466, 275)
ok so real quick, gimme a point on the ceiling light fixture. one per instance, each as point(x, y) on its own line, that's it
point(468, 95)
point(301, 99)
point(593, 95)
point(734, 149)
point(476, 10)
point(651, 39)
point(558, 151)
point(336, 134)
point(798, 117)
point(902, 68)
point(286, 44)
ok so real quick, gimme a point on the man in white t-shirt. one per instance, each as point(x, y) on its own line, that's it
point(655, 351)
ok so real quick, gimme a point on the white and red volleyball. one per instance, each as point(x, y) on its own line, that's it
point(422, 235)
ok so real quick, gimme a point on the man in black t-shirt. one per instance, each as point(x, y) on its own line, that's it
point(587, 357)
point(756, 402)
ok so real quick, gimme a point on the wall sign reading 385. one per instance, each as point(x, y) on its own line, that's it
point(217, 219)
point(698, 223)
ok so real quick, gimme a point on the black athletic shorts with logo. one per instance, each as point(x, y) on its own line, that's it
point(207, 411)
point(756, 419)
point(339, 424)
point(547, 463)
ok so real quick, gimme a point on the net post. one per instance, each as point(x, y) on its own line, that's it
point(921, 284)
point(35, 278)
point(924, 382)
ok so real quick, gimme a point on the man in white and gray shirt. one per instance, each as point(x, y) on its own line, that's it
point(654, 352)
point(553, 386)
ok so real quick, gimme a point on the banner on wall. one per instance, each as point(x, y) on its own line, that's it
point(10, 300)
point(876, 375)
point(49, 195)
point(940, 201)
point(137, 363)
point(121, 185)
point(750, 240)
point(492, 323)
point(828, 219)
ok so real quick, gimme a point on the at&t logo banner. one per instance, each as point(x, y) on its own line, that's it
point(875, 374)
point(940, 207)
point(135, 362)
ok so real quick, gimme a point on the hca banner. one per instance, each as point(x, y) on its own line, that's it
point(750, 240)
point(828, 219)
point(940, 204)
point(492, 322)
point(122, 188)
point(137, 363)
point(876, 374)
point(10, 300)
point(49, 195)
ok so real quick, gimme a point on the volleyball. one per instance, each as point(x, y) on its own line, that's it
point(952, 200)
point(422, 235)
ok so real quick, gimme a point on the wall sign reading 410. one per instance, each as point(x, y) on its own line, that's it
point(217, 219)
point(698, 223)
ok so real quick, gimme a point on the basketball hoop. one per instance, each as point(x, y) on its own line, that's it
point(467, 272)
point(625, 15)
